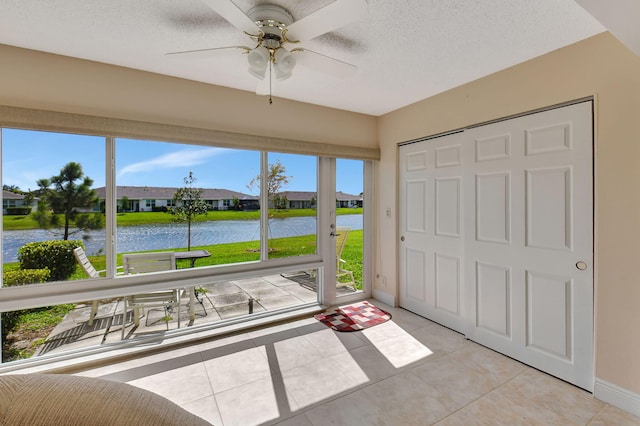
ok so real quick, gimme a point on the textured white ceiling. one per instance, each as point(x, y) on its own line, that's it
point(405, 50)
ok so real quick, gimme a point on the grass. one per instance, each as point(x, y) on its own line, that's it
point(31, 330)
point(16, 223)
point(40, 318)
point(230, 253)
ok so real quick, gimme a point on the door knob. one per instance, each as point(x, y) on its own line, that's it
point(581, 265)
point(402, 238)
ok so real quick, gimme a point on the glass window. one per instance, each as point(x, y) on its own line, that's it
point(292, 192)
point(189, 199)
point(349, 221)
point(50, 180)
point(201, 203)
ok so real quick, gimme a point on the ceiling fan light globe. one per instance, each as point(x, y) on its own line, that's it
point(258, 60)
point(284, 64)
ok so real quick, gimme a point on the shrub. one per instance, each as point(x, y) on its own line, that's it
point(15, 278)
point(23, 211)
point(25, 276)
point(57, 256)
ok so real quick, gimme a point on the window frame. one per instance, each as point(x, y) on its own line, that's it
point(25, 297)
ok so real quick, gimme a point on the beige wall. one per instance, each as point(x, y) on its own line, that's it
point(599, 66)
point(38, 80)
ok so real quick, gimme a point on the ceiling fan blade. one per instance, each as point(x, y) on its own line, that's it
point(324, 64)
point(210, 53)
point(329, 18)
point(236, 17)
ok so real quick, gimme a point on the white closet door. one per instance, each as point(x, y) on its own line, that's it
point(431, 226)
point(498, 237)
point(529, 251)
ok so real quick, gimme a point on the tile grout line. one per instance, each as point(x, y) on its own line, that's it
point(597, 414)
point(482, 396)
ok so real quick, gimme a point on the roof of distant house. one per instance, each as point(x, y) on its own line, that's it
point(342, 196)
point(298, 195)
point(8, 195)
point(165, 193)
point(307, 195)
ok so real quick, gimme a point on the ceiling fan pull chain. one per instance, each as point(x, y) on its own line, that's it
point(270, 79)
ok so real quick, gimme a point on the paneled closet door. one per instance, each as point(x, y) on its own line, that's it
point(431, 229)
point(529, 245)
point(496, 230)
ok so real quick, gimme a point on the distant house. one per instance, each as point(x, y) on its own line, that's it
point(308, 199)
point(13, 201)
point(154, 198)
point(348, 200)
point(299, 199)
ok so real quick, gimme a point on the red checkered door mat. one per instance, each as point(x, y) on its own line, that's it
point(355, 317)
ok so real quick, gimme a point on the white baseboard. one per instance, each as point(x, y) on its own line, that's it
point(617, 396)
point(384, 297)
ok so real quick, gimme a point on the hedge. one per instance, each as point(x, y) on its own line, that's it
point(22, 211)
point(25, 276)
point(57, 256)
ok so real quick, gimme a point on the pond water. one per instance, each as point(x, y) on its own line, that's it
point(174, 235)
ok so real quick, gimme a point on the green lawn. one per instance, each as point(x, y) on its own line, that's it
point(13, 223)
point(224, 254)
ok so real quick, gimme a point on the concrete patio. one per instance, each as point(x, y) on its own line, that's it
point(217, 301)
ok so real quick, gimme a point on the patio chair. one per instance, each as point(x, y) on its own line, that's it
point(342, 234)
point(82, 259)
point(145, 263)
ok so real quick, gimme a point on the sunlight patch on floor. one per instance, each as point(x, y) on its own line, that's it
point(398, 346)
point(305, 375)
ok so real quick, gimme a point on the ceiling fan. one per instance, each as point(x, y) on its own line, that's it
point(273, 29)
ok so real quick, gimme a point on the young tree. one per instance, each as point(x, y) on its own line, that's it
point(276, 180)
point(188, 204)
point(125, 204)
point(235, 203)
point(62, 198)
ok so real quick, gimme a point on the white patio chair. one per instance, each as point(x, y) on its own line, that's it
point(342, 234)
point(88, 268)
point(145, 263)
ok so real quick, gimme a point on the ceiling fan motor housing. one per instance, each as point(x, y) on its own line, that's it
point(272, 20)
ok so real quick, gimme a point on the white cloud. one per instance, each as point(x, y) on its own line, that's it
point(184, 158)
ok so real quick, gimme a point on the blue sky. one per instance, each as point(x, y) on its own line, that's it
point(28, 156)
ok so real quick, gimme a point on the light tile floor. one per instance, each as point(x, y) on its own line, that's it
point(408, 371)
